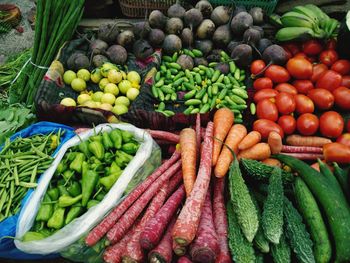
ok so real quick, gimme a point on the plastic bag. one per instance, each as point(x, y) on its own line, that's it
point(144, 162)
point(8, 226)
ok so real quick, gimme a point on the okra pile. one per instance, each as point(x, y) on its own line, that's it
point(200, 90)
point(21, 161)
point(83, 177)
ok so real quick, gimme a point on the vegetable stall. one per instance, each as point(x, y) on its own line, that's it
point(204, 131)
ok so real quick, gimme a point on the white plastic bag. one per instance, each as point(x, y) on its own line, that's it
point(147, 152)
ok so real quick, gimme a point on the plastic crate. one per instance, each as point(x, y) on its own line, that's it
point(267, 5)
point(138, 8)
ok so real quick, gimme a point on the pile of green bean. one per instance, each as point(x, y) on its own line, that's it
point(20, 162)
point(205, 87)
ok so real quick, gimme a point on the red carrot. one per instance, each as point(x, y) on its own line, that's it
point(184, 259)
point(301, 149)
point(134, 251)
point(220, 220)
point(198, 135)
point(305, 156)
point(164, 142)
point(156, 226)
point(179, 250)
point(186, 226)
point(108, 222)
point(205, 246)
point(164, 250)
point(163, 135)
point(174, 183)
point(129, 217)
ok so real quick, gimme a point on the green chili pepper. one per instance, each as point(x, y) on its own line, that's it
point(74, 189)
point(46, 232)
point(63, 191)
point(116, 137)
point(54, 193)
point(107, 142)
point(32, 236)
point(96, 138)
point(109, 157)
point(89, 181)
point(71, 156)
point(73, 213)
point(77, 162)
point(61, 167)
point(100, 196)
point(97, 149)
point(108, 181)
point(92, 203)
point(45, 210)
point(56, 221)
point(130, 147)
point(84, 148)
point(124, 156)
point(114, 168)
point(127, 136)
point(66, 200)
point(67, 175)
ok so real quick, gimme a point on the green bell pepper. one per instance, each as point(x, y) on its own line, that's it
point(92, 203)
point(76, 164)
point(71, 156)
point(107, 142)
point(61, 167)
point(122, 158)
point(84, 148)
point(73, 213)
point(114, 168)
point(89, 181)
point(66, 200)
point(130, 148)
point(54, 193)
point(57, 219)
point(96, 148)
point(108, 181)
point(74, 189)
point(127, 136)
point(32, 236)
point(96, 138)
point(96, 164)
point(67, 175)
point(45, 210)
point(109, 157)
point(117, 138)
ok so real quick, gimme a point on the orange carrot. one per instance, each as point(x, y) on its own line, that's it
point(188, 149)
point(248, 141)
point(298, 140)
point(259, 151)
point(223, 120)
point(234, 137)
point(272, 162)
point(275, 142)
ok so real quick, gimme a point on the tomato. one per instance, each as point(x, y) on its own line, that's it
point(301, 55)
point(336, 152)
point(287, 123)
point(345, 81)
point(328, 57)
point(266, 109)
point(331, 124)
point(264, 94)
point(292, 47)
point(286, 87)
point(266, 126)
point(344, 139)
point(307, 124)
point(322, 98)
point(285, 103)
point(299, 68)
point(277, 74)
point(331, 44)
point(303, 104)
point(263, 83)
point(342, 97)
point(342, 66)
point(317, 71)
point(329, 80)
point(303, 85)
point(312, 47)
point(257, 66)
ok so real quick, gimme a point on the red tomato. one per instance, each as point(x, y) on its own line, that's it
point(312, 47)
point(287, 123)
point(277, 74)
point(292, 47)
point(303, 85)
point(257, 66)
point(322, 98)
point(263, 83)
point(303, 104)
point(342, 66)
point(329, 80)
point(266, 126)
point(317, 71)
point(285, 103)
point(299, 68)
point(264, 94)
point(344, 139)
point(331, 124)
point(342, 97)
point(331, 44)
point(328, 57)
point(336, 152)
point(266, 109)
point(307, 124)
point(301, 55)
point(346, 81)
point(286, 87)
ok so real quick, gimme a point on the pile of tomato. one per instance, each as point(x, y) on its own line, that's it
point(306, 95)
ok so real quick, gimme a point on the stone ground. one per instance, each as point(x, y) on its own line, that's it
point(15, 42)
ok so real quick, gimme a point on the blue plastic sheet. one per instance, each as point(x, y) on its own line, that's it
point(8, 226)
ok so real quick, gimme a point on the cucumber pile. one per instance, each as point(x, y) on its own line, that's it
point(200, 89)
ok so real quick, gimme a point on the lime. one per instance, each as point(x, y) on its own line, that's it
point(106, 106)
point(108, 98)
point(82, 98)
point(133, 77)
point(69, 102)
point(83, 74)
point(132, 93)
point(97, 96)
point(123, 100)
point(78, 84)
point(111, 88)
point(103, 83)
point(124, 85)
point(96, 75)
point(114, 76)
point(68, 76)
point(119, 109)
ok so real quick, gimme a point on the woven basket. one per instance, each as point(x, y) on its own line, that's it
point(138, 8)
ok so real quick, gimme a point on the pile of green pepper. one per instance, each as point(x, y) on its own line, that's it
point(83, 177)
point(205, 86)
point(20, 162)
